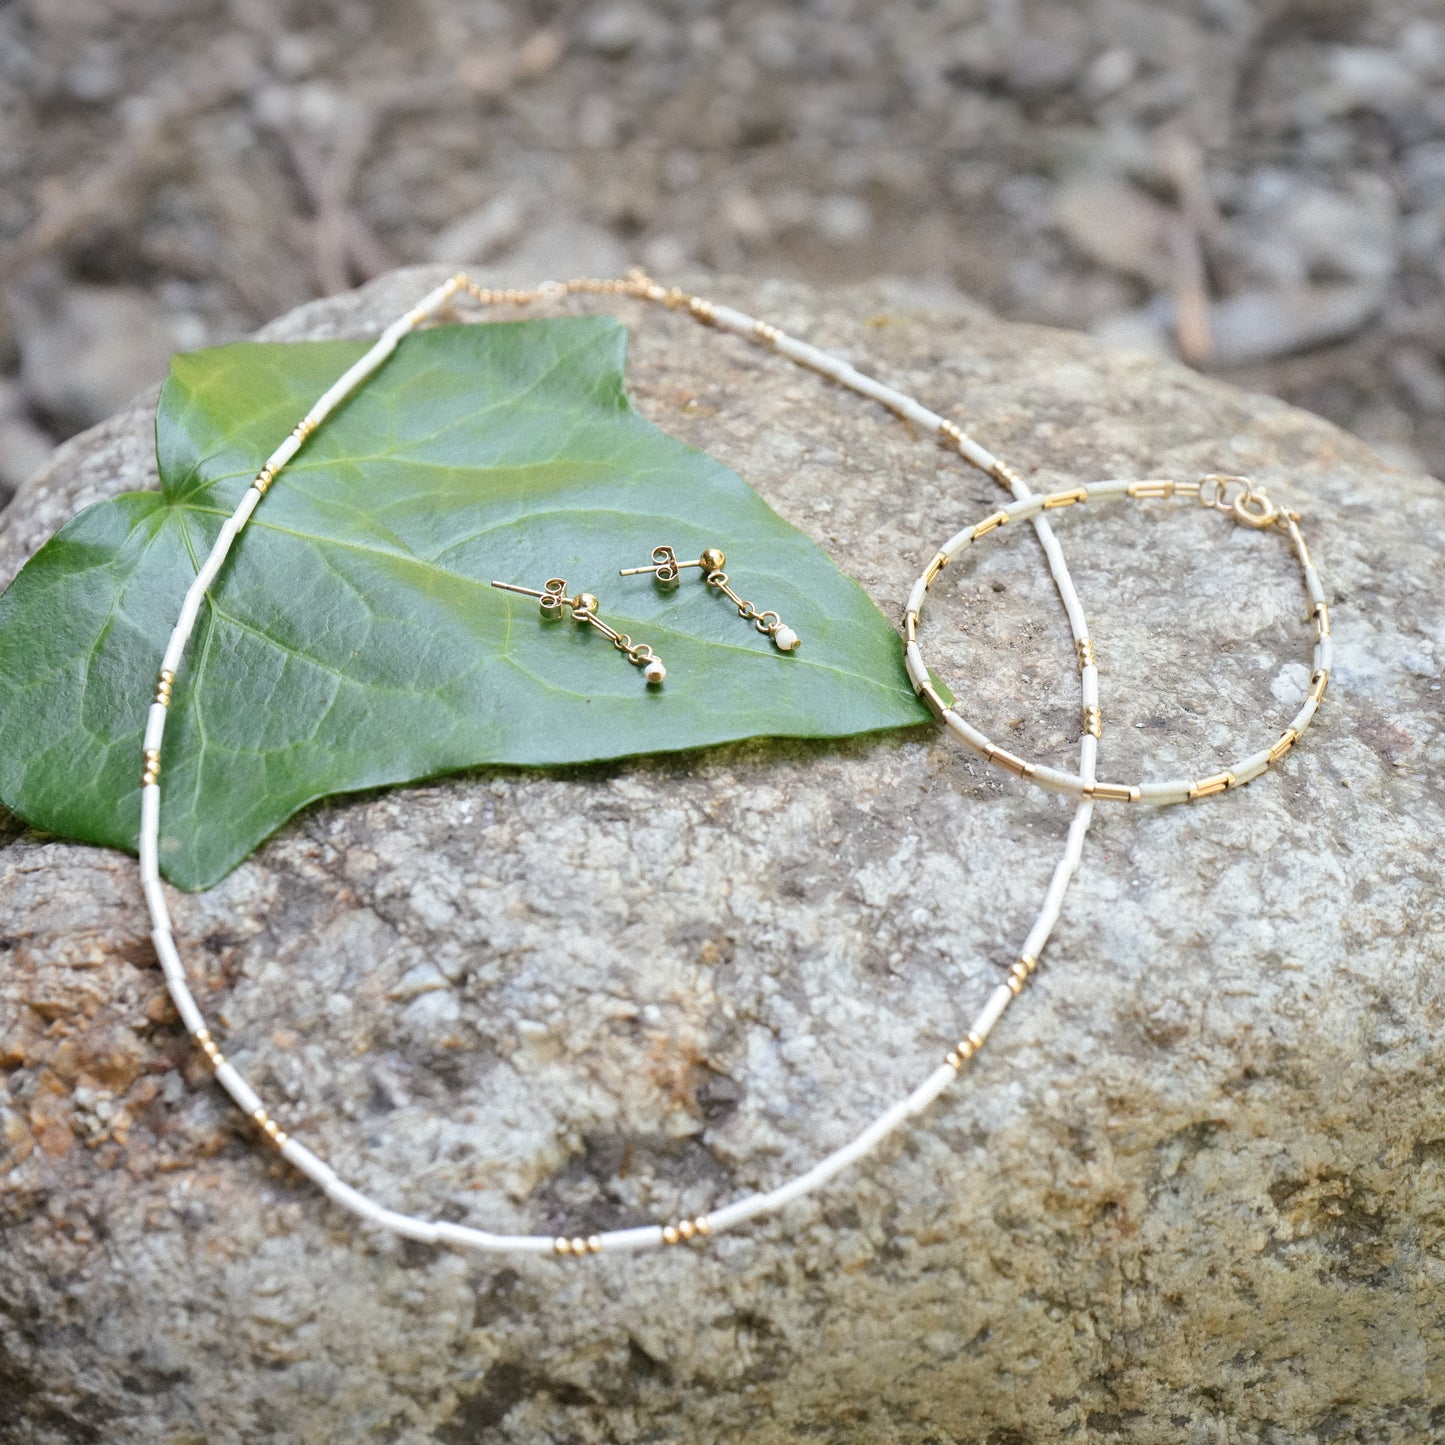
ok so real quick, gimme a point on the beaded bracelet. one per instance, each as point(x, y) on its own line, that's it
point(638, 286)
point(1246, 505)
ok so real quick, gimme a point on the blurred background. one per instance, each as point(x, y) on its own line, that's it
point(1257, 186)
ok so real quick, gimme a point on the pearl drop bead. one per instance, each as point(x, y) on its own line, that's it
point(654, 671)
point(786, 640)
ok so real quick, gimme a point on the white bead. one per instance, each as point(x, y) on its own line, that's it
point(654, 671)
point(786, 640)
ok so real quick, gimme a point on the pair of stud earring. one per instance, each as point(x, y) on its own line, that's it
point(666, 570)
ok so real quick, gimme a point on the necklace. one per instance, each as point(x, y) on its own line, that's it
point(1229, 495)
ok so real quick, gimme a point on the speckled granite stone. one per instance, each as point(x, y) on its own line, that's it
point(1191, 1191)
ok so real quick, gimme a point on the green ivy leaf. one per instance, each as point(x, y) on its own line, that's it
point(353, 640)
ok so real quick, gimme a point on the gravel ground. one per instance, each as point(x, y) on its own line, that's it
point(1259, 187)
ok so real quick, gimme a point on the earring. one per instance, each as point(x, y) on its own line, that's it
point(666, 570)
point(584, 609)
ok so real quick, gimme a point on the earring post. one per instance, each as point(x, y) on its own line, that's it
point(512, 587)
point(660, 567)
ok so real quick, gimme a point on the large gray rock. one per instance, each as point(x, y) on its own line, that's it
point(1191, 1191)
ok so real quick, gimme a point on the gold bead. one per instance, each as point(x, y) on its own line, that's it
point(687, 1229)
point(587, 606)
point(670, 1234)
point(714, 559)
point(561, 1245)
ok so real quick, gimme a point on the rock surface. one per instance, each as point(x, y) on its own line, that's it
point(1190, 1192)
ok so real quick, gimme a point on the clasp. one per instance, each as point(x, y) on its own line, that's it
point(1254, 509)
point(1248, 505)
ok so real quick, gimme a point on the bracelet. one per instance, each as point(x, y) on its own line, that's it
point(1247, 506)
point(638, 286)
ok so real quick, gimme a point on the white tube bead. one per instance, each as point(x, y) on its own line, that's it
point(1305, 715)
point(913, 662)
point(729, 318)
point(155, 898)
point(621, 1241)
point(284, 452)
point(1054, 780)
point(232, 1082)
point(998, 1001)
point(211, 568)
point(917, 595)
point(175, 649)
point(1038, 936)
point(966, 730)
point(1089, 685)
point(976, 455)
point(1325, 654)
point(250, 500)
point(155, 726)
point(1073, 608)
point(221, 547)
point(1251, 767)
point(409, 1226)
point(839, 1159)
point(169, 956)
point(1158, 795)
point(929, 1090)
point(191, 1017)
point(959, 542)
point(172, 968)
point(469, 1238)
point(150, 815)
point(190, 610)
point(354, 1200)
point(1064, 870)
point(394, 333)
point(314, 1168)
point(353, 377)
point(1078, 831)
point(738, 1212)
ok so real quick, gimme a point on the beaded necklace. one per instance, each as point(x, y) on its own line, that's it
point(1232, 496)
